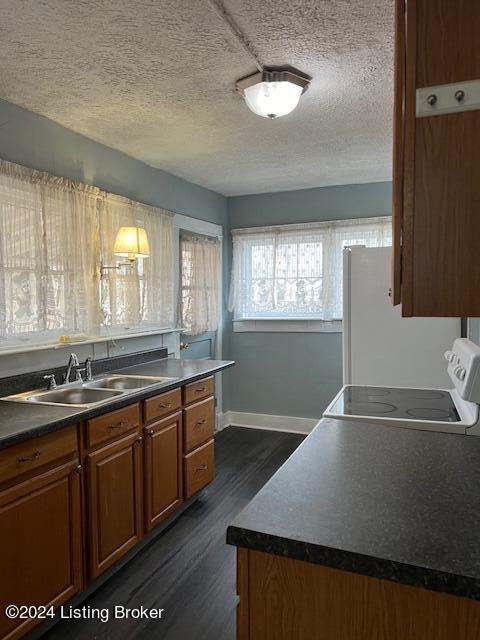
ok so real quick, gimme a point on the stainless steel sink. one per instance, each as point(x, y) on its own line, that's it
point(77, 396)
point(87, 394)
point(125, 383)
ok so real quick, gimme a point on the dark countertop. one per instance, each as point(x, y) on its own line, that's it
point(22, 421)
point(391, 503)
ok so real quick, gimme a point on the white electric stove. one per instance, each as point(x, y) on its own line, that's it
point(448, 410)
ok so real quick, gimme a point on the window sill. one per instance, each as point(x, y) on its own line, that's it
point(4, 351)
point(280, 325)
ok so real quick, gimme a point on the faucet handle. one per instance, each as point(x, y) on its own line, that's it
point(52, 383)
point(88, 369)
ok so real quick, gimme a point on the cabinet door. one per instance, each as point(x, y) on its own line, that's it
point(398, 148)
point(441, 176)
point(114, 503)
point(163, 472)
point(40, 544)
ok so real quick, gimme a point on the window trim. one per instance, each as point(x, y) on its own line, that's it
point(286, 325)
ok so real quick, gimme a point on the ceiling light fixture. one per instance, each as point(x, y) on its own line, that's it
point(273, 92)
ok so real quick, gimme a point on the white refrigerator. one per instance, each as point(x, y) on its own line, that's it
point(379, 346)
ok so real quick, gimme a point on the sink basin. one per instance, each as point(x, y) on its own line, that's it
point(73, 396)
point(125, 383)
point(86, 394)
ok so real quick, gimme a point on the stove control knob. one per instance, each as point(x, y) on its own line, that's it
point(450, 356)
point(459, 372)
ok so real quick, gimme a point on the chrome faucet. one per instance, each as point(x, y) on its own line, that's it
point(87, 368)
point(51, 382)
point(73, 363)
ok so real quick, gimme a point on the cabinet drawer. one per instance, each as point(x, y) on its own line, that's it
point(112, 425)
point(27, 456)
point(162, 405)
point(199, 469)
point(199, 422)
point(198, 390)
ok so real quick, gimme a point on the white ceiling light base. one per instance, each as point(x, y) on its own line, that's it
point(273, 92)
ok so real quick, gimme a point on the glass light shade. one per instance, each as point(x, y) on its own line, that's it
point(131, 243)
point(273, 99)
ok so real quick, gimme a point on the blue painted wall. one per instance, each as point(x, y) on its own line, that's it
point(293, 374)
point(310, 205)
point(39, 143)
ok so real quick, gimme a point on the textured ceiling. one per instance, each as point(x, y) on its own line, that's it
point(155, 79)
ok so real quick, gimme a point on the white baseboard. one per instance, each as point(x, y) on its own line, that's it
point(223, 420)
point(268, 422)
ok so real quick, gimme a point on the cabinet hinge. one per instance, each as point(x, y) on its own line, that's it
point(448, 98)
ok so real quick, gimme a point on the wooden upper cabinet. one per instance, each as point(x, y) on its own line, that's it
point(436, 190)
point(163, 469)
point(40, 540)
point(114, 501)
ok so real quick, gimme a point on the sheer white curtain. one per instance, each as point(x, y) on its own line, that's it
point(54, 236)
point(120, 291)
point(48, 255)
point(141, 293)
point(295, 271)
point(156, 272)
point(200, 259)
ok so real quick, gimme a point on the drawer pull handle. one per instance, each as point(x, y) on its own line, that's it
point(200, 422)
point(165, 405)
point(201, 390)
point(119, 425)
point(35, 455)
point(204, 467)
point(151, 433)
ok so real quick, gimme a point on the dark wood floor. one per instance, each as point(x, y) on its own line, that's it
point(189, 570)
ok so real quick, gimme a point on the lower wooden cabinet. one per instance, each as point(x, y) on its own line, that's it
point(40, 542)
point(286, 599)
point(75, 501)
point(114, 501)
point(163, 469)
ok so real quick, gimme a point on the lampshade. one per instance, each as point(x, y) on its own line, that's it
point(131, 243)
point(272, 93)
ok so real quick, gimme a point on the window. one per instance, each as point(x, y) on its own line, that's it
point(54, 235)
point(199, 287)
point(47, 256)
point(294, 272)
